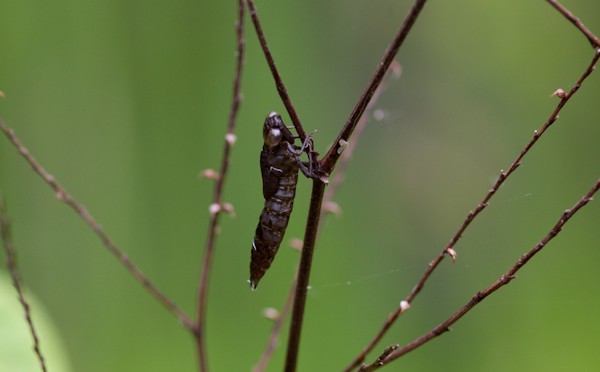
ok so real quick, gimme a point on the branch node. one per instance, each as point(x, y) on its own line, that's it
point(452, 253)
point(404, 305)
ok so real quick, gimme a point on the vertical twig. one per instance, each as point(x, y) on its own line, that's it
point(328, 197)
point(11, 263)
point(216, 206)
point(310, 235)
point(327, 164)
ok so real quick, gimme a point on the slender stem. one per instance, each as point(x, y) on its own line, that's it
point(328, 197)
point(310, 235)
point(502, 281)
point(11, 263)
point(285, 98)
point(62, 195)
point(449, 248)
point(593, 39)
point(203, 285)
point(277, 327)
point(329, 160)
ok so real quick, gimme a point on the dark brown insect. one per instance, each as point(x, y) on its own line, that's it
point(279, 164)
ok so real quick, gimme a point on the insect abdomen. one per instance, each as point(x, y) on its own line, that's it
point(271, 227)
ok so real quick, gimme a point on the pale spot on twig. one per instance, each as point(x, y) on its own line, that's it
point(209, 174)
point(452, 253)
point(379, 115)
point(343, 144)
point(296, 244)
point(228, 208)
point(271, 313)
point(230, 138)
point(404, 305)
point(559, 93)
point(214, 208)
point(332, 207)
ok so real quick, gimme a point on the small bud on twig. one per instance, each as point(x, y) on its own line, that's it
point(209, 174)
point(379, 114)
point(452, 253)
point(271, 313)
point(343, 144)
point(396, 69)
point(214, 208)
point(404, 305)
point(296, 244)
point(228, 208)
point(559, 93)
point(230, 138)
point(332, 207)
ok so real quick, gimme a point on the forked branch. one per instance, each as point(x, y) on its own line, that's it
point(327, 163)
point(217, 205)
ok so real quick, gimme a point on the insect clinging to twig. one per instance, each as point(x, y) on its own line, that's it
point(279, 164)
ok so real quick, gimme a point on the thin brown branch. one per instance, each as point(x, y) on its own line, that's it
point(328, 197)
point(216, 206)
point(310, 236)
point(593, 39)
point(449, 249)
point(502, 281)
point(11, 263)
point(329, 160)
point(346, 153)
point(380, 360)
point(285, 98)
point(276, 331)
point(63, 196)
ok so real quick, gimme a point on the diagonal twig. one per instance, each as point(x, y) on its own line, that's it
point(449, 249)
point(285, 98)
point(329, 160)
point(502, 281)
point(11, 263)
point(593, 39)
point(63, 196)
point(217, 207)
point(327, 164)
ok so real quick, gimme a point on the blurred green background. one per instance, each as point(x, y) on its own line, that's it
point(125, 102)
